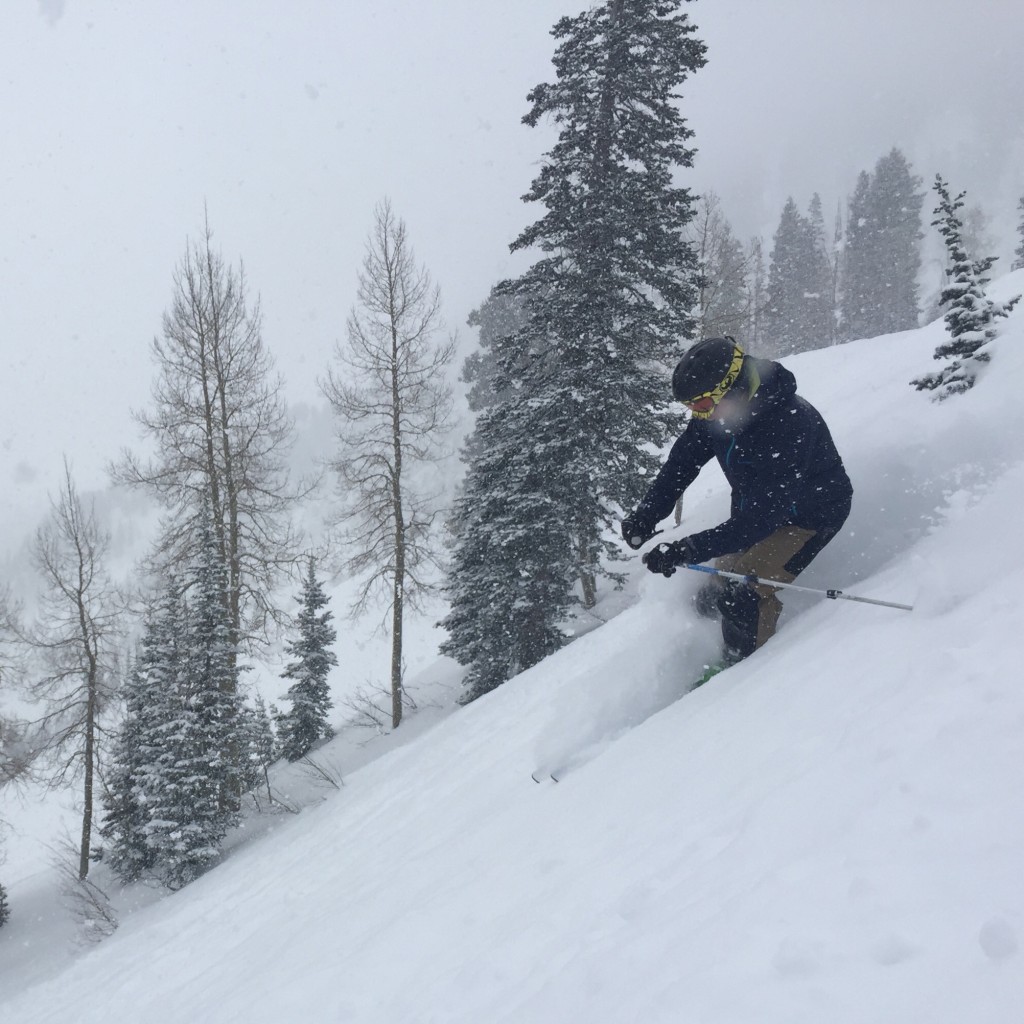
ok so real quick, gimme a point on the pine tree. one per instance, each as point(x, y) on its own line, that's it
point(970, 320)
point(612, 290)
point(882, 251)
point(896, 206)
point(497, 317)
point(757, 288)
point(310, 695)
point(5, 909)
point(861, 261)
point(1018, 263)
point(607, 305)
point(150, 696)
point(174, 785)
point(799, 314)
point(259, 746)
point(508, 586)
point(820, 296)
point(193, 785)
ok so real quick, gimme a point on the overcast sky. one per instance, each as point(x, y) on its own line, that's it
point(290, 120)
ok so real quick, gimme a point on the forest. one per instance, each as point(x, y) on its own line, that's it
point(137, 682)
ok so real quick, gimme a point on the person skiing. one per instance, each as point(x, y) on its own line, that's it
point(790, 491)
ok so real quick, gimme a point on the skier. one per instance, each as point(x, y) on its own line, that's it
point(790, 491)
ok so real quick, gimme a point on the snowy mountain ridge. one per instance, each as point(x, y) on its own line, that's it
point(829, 831)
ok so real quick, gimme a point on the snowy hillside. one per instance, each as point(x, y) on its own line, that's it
point(830, 831)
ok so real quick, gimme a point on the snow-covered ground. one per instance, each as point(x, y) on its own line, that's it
point(830, 832)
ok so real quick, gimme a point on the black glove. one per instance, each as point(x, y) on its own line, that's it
point(664, 558)
point(636, 531)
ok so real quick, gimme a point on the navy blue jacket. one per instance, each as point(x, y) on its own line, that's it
point(780, 461)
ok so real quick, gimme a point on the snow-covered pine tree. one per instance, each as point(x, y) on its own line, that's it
point(1018, 263)
point(970, 320)
point(821, 296)
point(882, 256)
point(150, 695)
point(896, 216)
point(193, 794)
point(5, 909)
point(607, 305)
point(860, 265)
point(497, 317)
point(757, 289)
point(799, 308)
point(510, 581)
point(309, 693)
point(259, 746)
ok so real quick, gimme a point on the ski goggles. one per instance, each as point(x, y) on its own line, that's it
point(703, 405)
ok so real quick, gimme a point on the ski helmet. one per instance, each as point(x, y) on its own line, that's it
point(706, 373)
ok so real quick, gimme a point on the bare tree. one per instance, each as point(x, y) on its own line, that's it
point(221, 434)
point(725, 302)
point(390, 394)
point(76, 637)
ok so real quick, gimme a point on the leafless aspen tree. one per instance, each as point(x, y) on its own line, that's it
point(221, 434)
point(76, 639)
point(726, 304)
point(390, 393)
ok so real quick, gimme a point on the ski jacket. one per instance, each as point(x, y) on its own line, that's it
point(781, 463)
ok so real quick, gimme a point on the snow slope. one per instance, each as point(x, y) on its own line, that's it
point(830, 831)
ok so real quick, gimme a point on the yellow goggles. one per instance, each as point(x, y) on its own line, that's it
point(702, 406)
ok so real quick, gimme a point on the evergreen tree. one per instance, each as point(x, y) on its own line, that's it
point(508, 586)
point(821, 298)
point(612, 290)
point(896, 209)
point(799, 314)
point(970, 320)
point(882, 251)
point(1018, 263)
point(150, 694)
point(186, 743)
point(497, 317)
point(607, 305)
point(757, 288)
point(5, 909)
point(309, 692)
point(861, 263)
point(192, 780)
point(259, 747)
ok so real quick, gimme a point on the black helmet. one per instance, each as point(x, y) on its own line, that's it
point(707, 370)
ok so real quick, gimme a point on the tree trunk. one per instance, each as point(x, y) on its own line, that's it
point(90, 744)
point(588, 582)
point(398, 592)
point(588, 559)
point(396, 655)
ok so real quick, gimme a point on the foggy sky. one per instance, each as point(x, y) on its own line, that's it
point(287, 122)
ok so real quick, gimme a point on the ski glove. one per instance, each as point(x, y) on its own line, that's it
point(636, 532)
point(664, 558)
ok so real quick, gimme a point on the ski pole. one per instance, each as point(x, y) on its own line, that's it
point(834, 594)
